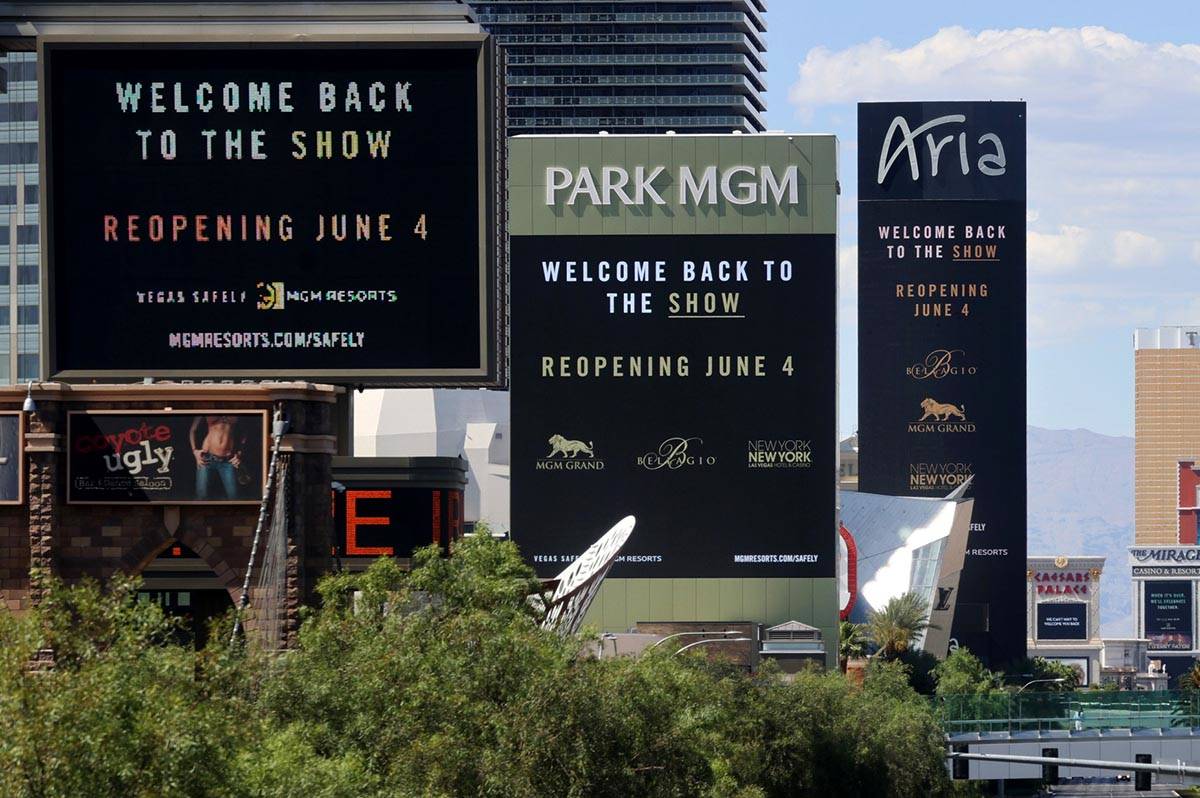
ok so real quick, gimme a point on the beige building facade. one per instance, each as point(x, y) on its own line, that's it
point(1167, 426)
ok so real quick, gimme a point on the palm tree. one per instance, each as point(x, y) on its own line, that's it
point(852, 643)
point(1190, 681)
point(899, 624)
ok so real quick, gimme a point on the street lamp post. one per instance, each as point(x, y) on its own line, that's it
point(712, 640)
point(1059, 680)
point(658, 643)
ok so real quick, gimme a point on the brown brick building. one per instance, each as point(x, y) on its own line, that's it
point(43, 531)
point(1167, 426)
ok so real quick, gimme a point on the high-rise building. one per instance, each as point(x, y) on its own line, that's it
point(1164, 560)
point(631, 67)
point(19, 219)
point(1166, 366)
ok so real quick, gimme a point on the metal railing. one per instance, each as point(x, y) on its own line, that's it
point(1067, 711)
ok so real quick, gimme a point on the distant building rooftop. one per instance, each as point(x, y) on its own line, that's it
point(1174, 337)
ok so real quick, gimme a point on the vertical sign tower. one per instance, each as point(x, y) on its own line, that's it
point(673, 358)
point(941, 363)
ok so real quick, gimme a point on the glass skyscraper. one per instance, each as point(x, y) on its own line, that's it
point(19, 218)
point(631, 67)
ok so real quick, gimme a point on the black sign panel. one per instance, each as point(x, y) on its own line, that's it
point(1168, 615)
point(696, 392)
point(378, 519)
point(262, 210)
point(12, 458)
point(941, 150)
point(216, 457)
point(941, 238)
point(1062, 620)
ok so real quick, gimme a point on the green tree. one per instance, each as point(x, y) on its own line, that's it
point(438, 682)
point(1047, 676)
point(441, 682)
point(124, 711)
point(898, 624)
point(964, 673)
point(1190, 681)
point(852, 643)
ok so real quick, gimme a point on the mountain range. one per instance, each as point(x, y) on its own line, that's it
point(1081, 503)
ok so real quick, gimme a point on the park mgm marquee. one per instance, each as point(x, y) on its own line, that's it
point(674, 358)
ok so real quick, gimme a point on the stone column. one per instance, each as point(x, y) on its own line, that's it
point(308, 450)
point(44, 436)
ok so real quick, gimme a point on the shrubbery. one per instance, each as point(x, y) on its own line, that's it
point(434, 683)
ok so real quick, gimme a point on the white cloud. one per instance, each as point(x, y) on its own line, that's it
point(1056, 252)
point(848, 286)
point(1069, 72)
point(1131, 248)
point(848, 272)
point(1196, 251)
point(1060, 313)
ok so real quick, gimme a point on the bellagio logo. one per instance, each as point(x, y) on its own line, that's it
point(676, 453)
point(788, 453)
point(941, 417)
point(941, 363)
point(569, 455)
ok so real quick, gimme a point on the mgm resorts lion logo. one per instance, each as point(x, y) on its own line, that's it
point(565, 447)
point(941, 411)
point(936, 417)
point(271, 296)
point(564, 456)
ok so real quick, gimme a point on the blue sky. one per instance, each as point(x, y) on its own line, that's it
point(1114, 173)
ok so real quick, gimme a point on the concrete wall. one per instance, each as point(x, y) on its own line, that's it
point(1086, 746)
point(623, 603)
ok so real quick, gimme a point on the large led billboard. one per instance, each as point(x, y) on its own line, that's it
point(304, 210)
point(1065, 620)
point(218, 456)
point(941, 335)
point(1168, 615)
point(673, 358)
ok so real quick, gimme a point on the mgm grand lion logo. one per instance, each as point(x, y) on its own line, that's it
point(941, 417)
point(564, 456)
point(940, 411)
point(565, 447)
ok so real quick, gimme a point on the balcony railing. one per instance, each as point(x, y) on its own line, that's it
point(1068, 711)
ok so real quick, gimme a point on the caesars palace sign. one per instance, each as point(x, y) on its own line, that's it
point(1056, 583)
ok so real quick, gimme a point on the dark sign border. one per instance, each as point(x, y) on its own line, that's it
point(491, 372)
point(192, 411)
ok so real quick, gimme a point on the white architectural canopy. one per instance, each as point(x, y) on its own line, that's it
point(901, 543)
point(427, 422)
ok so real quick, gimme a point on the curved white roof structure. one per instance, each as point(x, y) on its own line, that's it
point(902, 544)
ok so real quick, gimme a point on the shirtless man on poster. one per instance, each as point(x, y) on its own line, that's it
point(218, 455)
